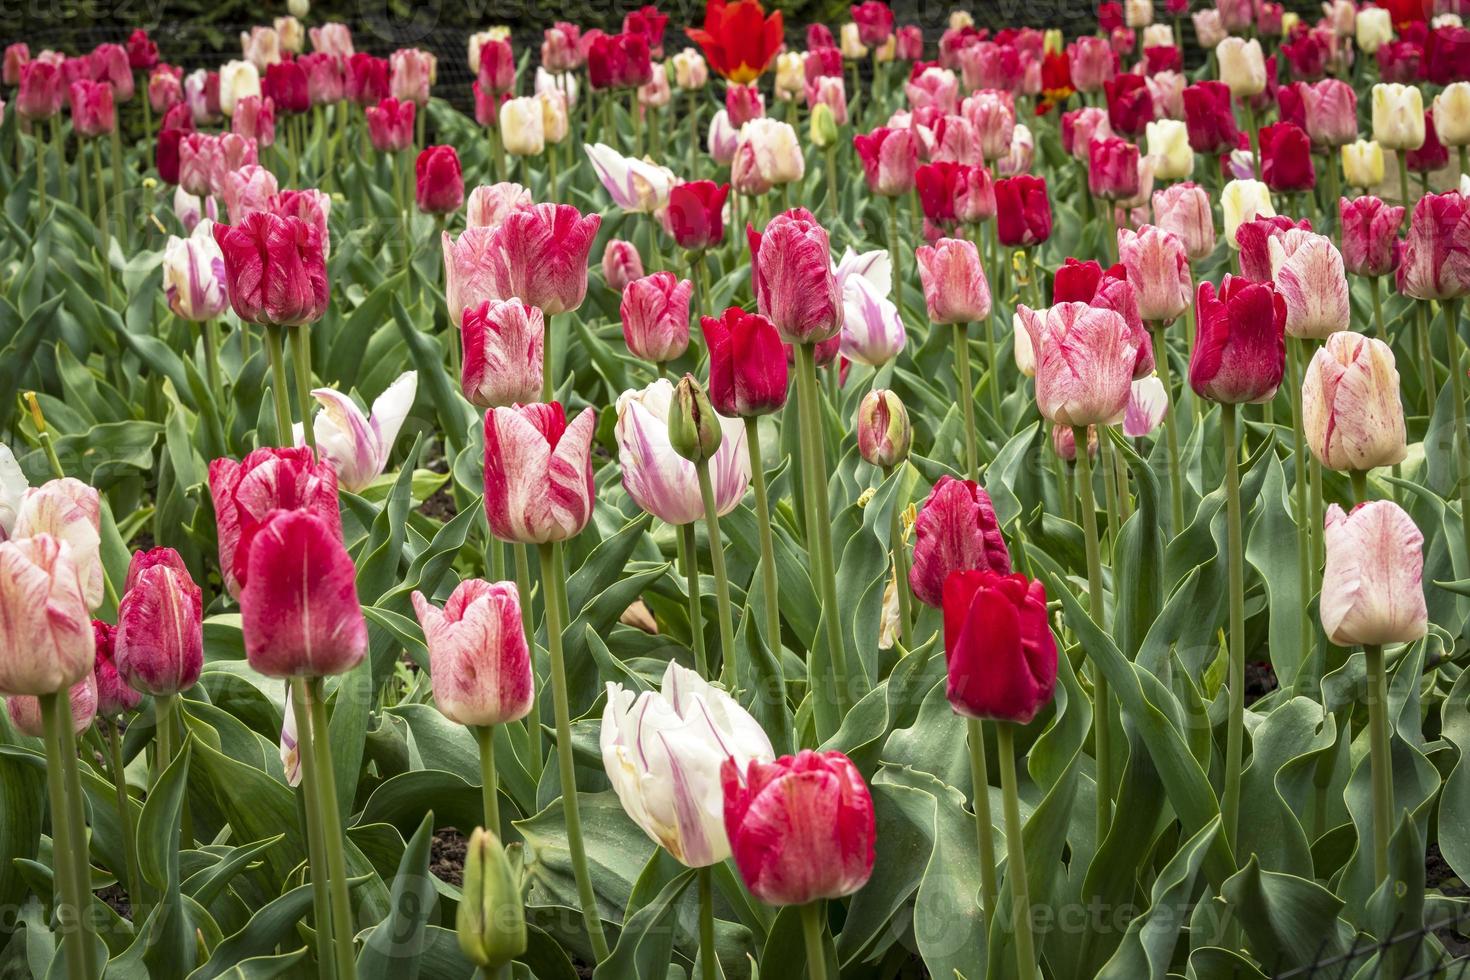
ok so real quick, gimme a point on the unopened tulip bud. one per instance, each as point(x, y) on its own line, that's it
point(1398, 116)
point(694, 431)
point(1452, 114)
point(1242, 66)
point(1362, 163)
point(491, 921)
point(884, 433)
point(823, 129)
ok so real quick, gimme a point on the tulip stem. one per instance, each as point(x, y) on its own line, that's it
point(708, 957)
point(1109, 474)
point(276, 350)
point(893, 254)
point(565, 761)
point(104, 222)
point(117, 185)
point(1097, 608)
point(1404, 185)
point(67, 903)
point(58, 136)
point(984, 829)
point(548, 390)
point(1463, 152)
point(688, 558)
point(1015, 853)
point(966, 393)
point(1303, 515)
point(125, 813)
point(321, 901)
point(811, 928)
point(768, 545)
point(722, 581)
point(163, 723)
point(1235, 732)
point(819, 525)
point(40, 152)
point(1171, 427)
point(1379, 759)
point(901, 585)
point(1255, 134)
point(209, 330)
point(331, 829)
point(830, 152)
point(1374, 288)
point(489, 784)
point(1426, 355)
point(1457, 399)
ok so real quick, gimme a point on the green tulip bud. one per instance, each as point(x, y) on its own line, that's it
point(883, 430)
point(823, 126)
point(694, 430)
point(492, 918)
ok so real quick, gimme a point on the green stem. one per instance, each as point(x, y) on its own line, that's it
point(548, 390)
point(82, 181)
point(301, 358)
point(1110, 488)
point(1457, 399)
point(722, 581)
point(1404, 185)
point(1359, 480)
point(77, 828)
point(104, 221)
point(1303, 514)
point(1379, 759)
point(276, 351)
point(966, 393)
point(1378, 328)
point(811, 928)
point(58, 135)
point(125, 814)
point(210, 331)
point(535, 755)
point(1171, 428)
point(117, 186)
point(689, 558)
point(41, 152)
point(1255, 134)
point(984, 828)
point(68, 905)
point(1426, 356)
point(708, 957)
point(901, 585)
point(331, 824)
point(1235, 732)
point(163, 725)
point(489, 784)
point(321, 899)
point(768, 546)
point(831, 205)
point(894, 251)
point(554, 586)
point(1016, 854)
point(1097, 608)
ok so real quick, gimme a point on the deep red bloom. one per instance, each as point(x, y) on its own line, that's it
point(142, 52)
point(1130, 105)
point(1210, 118)
point(275, 269)
point(390, 125)
point(439, 186)
point(1240, 350)
point(285, 84)
point(936, 183)
point(647, 20)
point(1286, 158)
point(367, 79)
point(819, 36)
point(738, 39)
point(1370, 244)
point(695, 216)
point(874, 19)
point(1022, 210)
point(1400, 61)
point(1431, 154)
point(1448, 55)
point(1109, 16)
point(114, 696)
point(1076, 281)
point(159, 642)
point(497, 67)
point(998, 646)
point(618, 61)
point(747, 364)
point(822, 63)
point(1290, 105)
point(1307, 55)
point(1162, 57)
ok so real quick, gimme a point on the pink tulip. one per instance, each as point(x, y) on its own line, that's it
point(332, 38)
point(17, 55)
point(1254, 238)
point(1080, 127)
point(439, 184)
point(489, 204)
point(743, 103)
point(109, 63)
point(255, 119)
point(1158, 268)
point(1092, 63)
point(114, 696)
point(1310, 278)
point(326, 78)
point(1436, 256)
point(503, 344)
point(955, 288)
point(478, 658)
point(275, 268)
point(24, 710)
point(801, 828)
point(538, 472)
point(655, 314)
point(1085, 360)
point(1112, 169)
point(1351, 414)
point(1372, 585)
point(1331, 108)
point(935, 87)
point(791, 265)
point(1370, 227)
point(956, 529)
point(412, 72)
point(539, 254)
point(621, 264)
point(889, 158)
point(71, 512)
point(92, 111)
point(159, 644)
point(1185, 210)
point(469, 279)
point(299, 609)
point(390, 125)
point(993, 115)
point(251, 188)
point(46, 638)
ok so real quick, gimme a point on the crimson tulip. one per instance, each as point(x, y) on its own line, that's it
point(1130, 104)
point(439, 186)
point(999, 651)
point(390, 125)
point(367, 79)
point(1210, 117)
point(889, 158)
point(618, 61)
point(497, 69)
point(1254, 237)
point(114, 695)
point(695, 215)
point(747, 364)
point(275, 269)
point(92, 110)
point(159, 642)
point(874, 19)
point(1240, 349)
point(142, 52)
point(539, 254)
point(1370, 244)
point(285, 84)
point(1430, 155)
point(1112, 169)
point(1022, 211)
point(1286, 158)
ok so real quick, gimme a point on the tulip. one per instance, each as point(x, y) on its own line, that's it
point(999, 650)
point(479, 661)
point(355, 444)
point(691, 72)
point(1373, 28)
point(955, 288)
point(1331, 108)
point(1158, 267)
point(326, 78)
point(495, 66)
point(290, 31)
point(801, 828)
point(1242, 66)
point(556, 124)
point(723, 138)
point(559, 48)
point(889, 158)
point(390, 125)
point(993, 114)
point(1372, 585)
point(237, 80)
point(872, 331)
point(489, 204)
point(937, 87)
point(663, 751)
point(539, 254)
point(275, 269)
point(17, 56)
point(1112, 169)
point(1076, 281)
point(1240, 349)
point(1085, 360)
point(1023, 211)
point(1243, 201)
point(503, 345)
point(635, 185)
point(286, 85)
point(743, 103)
point(538, 472)
point(48, 639)
point(71, 512)
point(1308, 272)
point(1398, 116)
point(1092, 63)
point(255, 119)
point(491, 921)
point(884, 433)
point(92, 111)
point(250, 188)
point(1148, 403)
point(775, 151)
point(165, 88)
point(159, 643)
point(621, 264)
point(1286, 159)
point(655, 314)
point(793, 279)
point(194, 275)
point(332, 38)
point(1080, 127)
point(851, 42)
point(412, 73)
point(659, 479)
point(40, 92)
point(468, 276)
point(367, 80)
point(1449, 51)
point(618, 61)
point(1369, 235)
point(1021, 155)
point(1209, 117)
point(1168, 144)
point(261, 47)
point(695, 216)
point(694, 433)
point(1452, 114)
point(956, 529)
point(747, 365)
point(522, 128)
point(1130, 104)
point(1435, 264)
point(1351, 414)
point(439, 185)
point(24, 710)
point(1185, 210)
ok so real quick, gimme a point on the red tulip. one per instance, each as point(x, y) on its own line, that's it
point(1022, 211)
point(1400, 61)
point(275, 269)
point(1076, 281)
point(738, 39)
point(1112, 169)
point(92, 111)
point(114, 695)
point(1240, 349)
point(655, 314)
point(695, 216)
point(998, 646)
point(801, 828)
point(956, 530)
point(791, 269)
point(367, 79)
point(819, 38)
point(41, 90)
point(159, 643)
point(1130, 105)
point(742, 104)
point(874, 20)
point(1431, 154)
point(1286, 158)
point(1370, 227)
point(647, 20)
point(497, 67)
point(299, 609)
point(1210, 118)
point(1436, 257)
point(1163, 57)
point(539, 254)
point(936, 184)
point(1109, 16)
point(747, 364)
point(1255, 253)
point(285, 84)
point(538, 472)
point(618, 61)
point(910, 43)
point(266, 480)
point(822, 63)
point(503, 344)
point(440, 185)
point(390, 125)
point(1448, 51)
point(1307, 54)
point(142, 52)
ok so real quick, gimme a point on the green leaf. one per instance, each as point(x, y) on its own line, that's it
point(393, 948)
point(170, 940)
point(646, 943)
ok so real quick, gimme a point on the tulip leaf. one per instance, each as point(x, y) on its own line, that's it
point(394, 947)
point(646, 943)
point(170, 937)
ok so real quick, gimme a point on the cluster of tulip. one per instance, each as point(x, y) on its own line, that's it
point(626, 446)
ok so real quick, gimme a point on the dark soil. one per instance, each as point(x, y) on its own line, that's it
point(440, 505)
point(446, 856)
point(1439, 875)
point(117, 897)
point(1260, 680)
